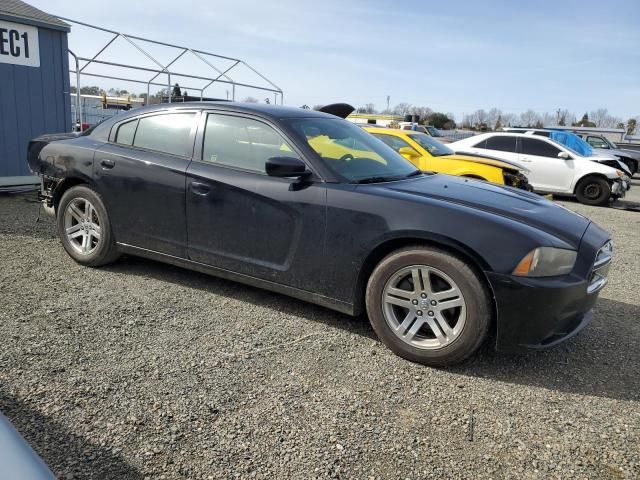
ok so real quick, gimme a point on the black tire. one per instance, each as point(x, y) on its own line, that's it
point(105, 250)
point(593, 191)
point(475, 294)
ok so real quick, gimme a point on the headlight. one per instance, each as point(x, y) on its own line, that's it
point(546, 262)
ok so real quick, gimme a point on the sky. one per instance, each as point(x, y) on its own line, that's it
point(450, 56)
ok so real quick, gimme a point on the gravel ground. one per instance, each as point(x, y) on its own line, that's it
point(142, 370)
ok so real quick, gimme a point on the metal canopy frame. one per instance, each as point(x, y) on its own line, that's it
point(221, 76)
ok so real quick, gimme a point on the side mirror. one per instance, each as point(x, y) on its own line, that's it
point(564, 155)
point(408, 152)
point(286, 167)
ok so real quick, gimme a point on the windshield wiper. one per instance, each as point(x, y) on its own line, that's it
point(376, 179)
point(380, 179)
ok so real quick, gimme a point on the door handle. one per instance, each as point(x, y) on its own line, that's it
point(200, 188)
point(107, 164)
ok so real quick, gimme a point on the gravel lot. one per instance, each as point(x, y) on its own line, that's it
point(142, 370)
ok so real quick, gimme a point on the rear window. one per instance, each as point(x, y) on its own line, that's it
point(170, 133)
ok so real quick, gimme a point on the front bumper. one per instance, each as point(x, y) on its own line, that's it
point(539, 313)
point(619, 187)
point(543, 312)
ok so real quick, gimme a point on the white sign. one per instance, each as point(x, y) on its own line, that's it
point(19, 44)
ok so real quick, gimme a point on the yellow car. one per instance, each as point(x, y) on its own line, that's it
point(429, 155)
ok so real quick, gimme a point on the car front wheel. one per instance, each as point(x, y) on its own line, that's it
point(593, 191)
point(428, 306)
point(84, 227)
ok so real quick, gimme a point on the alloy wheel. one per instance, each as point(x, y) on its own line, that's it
point(424, 307)
point(82, 226)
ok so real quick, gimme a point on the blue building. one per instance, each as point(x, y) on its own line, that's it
point(34, 84)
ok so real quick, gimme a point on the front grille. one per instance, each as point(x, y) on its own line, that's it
point(600, 270)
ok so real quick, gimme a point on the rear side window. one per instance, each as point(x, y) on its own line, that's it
point(482, 144)
point(242, 143)
point(170, 133)
point(126, 132)
point(540, 148)
point(503, 144)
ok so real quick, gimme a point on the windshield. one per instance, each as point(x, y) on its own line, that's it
point(434, 131)
point(352, 152)
point(572, 142)
point(431, 145)
point(609, 142)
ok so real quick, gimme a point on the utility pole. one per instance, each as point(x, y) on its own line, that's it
point(388, 98)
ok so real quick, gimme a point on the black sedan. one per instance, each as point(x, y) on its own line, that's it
point(309, 205)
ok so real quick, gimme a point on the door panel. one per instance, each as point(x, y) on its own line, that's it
point(548, 173)
point(241, 219)
point(144, 190)
point(145, 198)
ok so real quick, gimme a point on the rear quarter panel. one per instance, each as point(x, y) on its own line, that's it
point(70, 158)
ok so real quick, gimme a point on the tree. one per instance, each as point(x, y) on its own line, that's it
point(492, 117)
point(402, 109)
point(585, 122)
point(565, 116)
point(367, 108)
point(508, 119)
point(317, 107)
point(86, 90)
point(632, 123)
point(529, 118)
point(598, 116)
point(250, 100)
point(423, 112)
point(498, 124)
point(439, 120)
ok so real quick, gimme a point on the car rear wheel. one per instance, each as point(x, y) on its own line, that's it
point(84, 227)
point(428, 306)
point(593, 191)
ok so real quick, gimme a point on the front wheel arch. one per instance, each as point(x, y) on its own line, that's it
point(594, 177)
point(388, 246)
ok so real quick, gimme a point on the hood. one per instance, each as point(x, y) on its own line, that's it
point(599, 155)
point(518, 205)
point(487, 160)
point(627, 152)
point(622, 152)
point(613, 163)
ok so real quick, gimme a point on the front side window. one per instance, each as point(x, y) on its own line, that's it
point(350, 151)
point(167, 133)
point(597, 142)
point(501, 143)
point(242, 143)
point(540, 148)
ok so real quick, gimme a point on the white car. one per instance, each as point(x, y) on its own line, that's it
point(553, 168)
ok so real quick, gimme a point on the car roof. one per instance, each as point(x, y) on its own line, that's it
point(262, 109)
